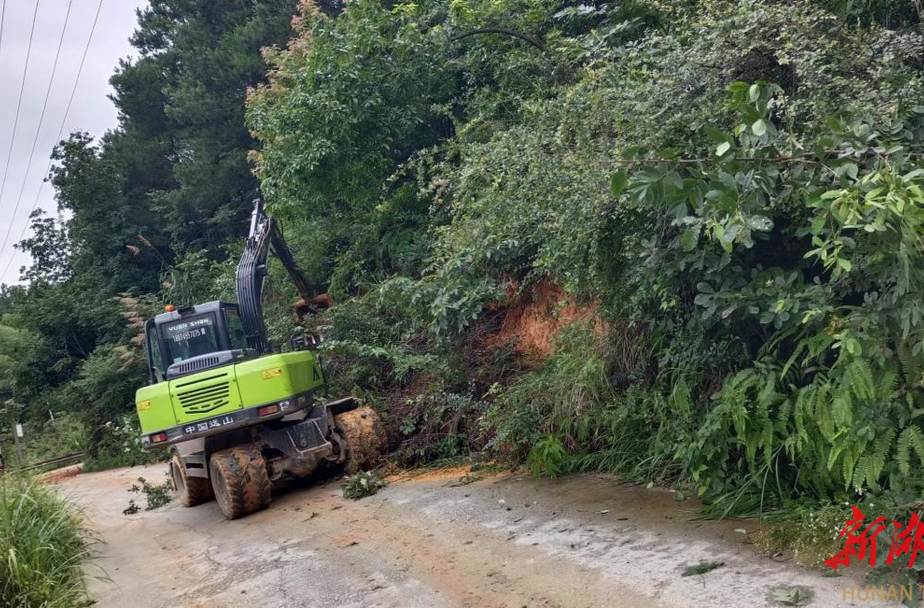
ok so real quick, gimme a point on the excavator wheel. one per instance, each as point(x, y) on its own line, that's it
point(365, 438)
point(240, 480)
point(191, 491)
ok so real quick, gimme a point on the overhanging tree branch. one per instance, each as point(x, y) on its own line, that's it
point(505, 32)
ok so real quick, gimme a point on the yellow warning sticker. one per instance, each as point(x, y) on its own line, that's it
point(272, 373)
point(144, 405)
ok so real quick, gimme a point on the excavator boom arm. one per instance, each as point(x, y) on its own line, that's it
point(252, 271)
point(281, 248)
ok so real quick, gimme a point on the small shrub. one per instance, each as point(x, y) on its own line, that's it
point(155, 496)
point(363, 484)
point(547, 458)
point(791, 596)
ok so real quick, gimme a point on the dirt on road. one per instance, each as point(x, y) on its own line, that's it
point(433, 540)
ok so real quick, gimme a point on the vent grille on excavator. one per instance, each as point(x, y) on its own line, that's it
point(202, 399)
point(197, 364)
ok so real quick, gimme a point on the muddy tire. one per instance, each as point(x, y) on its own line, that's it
point(364, 436)
point(190, 490)
point(240, 481)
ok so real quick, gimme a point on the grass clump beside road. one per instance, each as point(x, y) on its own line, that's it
point(41, 547)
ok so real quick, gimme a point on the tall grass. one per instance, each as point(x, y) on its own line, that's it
point(41, 547)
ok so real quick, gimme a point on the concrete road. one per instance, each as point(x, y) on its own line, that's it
point(435, 539)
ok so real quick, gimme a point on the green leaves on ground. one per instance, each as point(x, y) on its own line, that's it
point(362, 484)
point(156, 496)
point(701, 568)
point(790, 596)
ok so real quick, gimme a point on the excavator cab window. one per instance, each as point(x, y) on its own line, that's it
point(190, 337)
point(152, 348)
point(236, 334)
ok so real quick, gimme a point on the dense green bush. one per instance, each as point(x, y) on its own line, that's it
point(806, 252)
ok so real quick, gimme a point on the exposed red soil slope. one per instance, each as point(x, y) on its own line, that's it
point(537, 314)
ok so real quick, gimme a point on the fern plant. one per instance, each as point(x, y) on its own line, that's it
point(852, 428)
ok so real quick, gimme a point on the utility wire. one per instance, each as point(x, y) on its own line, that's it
point(2, 19)
point(67, 112)
point(22, 87)
point(38, 130)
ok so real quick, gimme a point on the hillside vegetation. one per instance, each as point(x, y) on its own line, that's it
point(725, 195)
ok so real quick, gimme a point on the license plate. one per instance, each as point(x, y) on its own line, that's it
point(203, 426)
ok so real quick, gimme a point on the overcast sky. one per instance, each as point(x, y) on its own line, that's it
point(91, 111)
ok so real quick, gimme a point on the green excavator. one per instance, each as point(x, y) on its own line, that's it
point(237, 413)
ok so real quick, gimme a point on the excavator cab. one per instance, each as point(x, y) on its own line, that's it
point(190, 339)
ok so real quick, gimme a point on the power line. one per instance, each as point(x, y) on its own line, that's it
point(22, 87)
point(67, 111)
point(2, 19)
point(38, 130)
